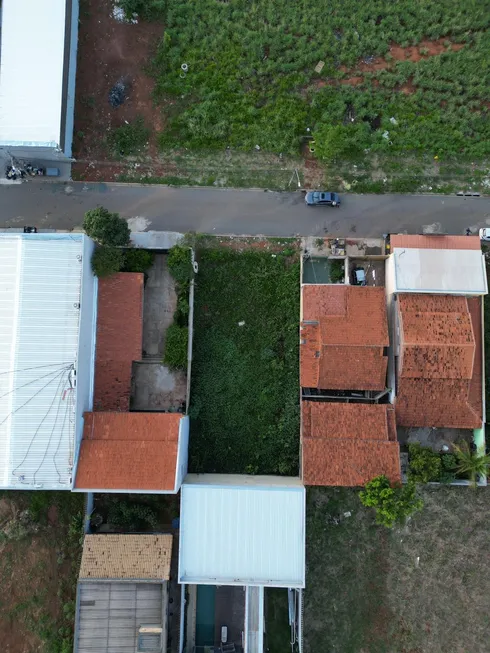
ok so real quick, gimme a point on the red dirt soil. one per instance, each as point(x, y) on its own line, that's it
point(107, 51)
point(412, 53)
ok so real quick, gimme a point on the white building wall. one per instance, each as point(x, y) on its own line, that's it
point(183, 451)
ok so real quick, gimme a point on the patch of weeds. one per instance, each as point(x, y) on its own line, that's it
point(130, 138)
point(176, 343)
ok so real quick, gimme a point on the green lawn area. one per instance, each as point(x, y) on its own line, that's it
point(40, 550)
point(245, 370)
point(421, 588)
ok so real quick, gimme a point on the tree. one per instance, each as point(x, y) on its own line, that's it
point(393, 503)
point(469, 463)
point(106, 228)
point(107, 261)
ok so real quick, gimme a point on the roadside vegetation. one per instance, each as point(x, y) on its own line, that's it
point(41, 536)
point(417, 587)
point(245, 370)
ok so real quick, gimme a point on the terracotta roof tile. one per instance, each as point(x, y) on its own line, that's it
point(119, 338)
point(347, 462)
point(435, 242)
point(348, 444)
point(344, 332)
point(128, 451)
point(126, 557)
point(439, 357)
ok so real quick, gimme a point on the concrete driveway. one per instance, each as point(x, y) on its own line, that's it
point(62, 206)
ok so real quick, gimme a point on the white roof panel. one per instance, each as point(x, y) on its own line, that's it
point(447, 271)
point(31, 72)
point(40, 284)
point(242, 530)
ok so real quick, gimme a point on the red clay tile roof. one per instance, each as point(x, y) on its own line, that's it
point(437, 337)
point(348, 444)
point(435, 242)
point(439, 362)
point(128, 451)
point(119, 339)
point(343, 332)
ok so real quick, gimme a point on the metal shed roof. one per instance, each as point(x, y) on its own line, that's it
point(40, 286)
point(242, 530)
point(447, 271)
point(31, 72)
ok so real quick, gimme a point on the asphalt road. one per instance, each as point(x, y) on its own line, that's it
point(62, 206)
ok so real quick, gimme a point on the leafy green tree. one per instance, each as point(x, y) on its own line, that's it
point(106, 228)
point(393, 503)
point(425, 464)
point(137, 260)
point(469, 463)
point(107, 261)
point(180, 264)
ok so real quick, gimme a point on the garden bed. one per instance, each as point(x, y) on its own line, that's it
point(245, 369)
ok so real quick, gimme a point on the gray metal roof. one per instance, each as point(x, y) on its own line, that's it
point(109, 615)
point(40, 295)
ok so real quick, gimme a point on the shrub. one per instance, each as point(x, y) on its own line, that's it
point(147, 9)
point(130, 138)
point(180, 264)
point(138, 260)
point(131, 516)
point(425, 464)
point(106, 228)
point(337, 271)
point(393, 504)
point(107, 261)
point(175, 356)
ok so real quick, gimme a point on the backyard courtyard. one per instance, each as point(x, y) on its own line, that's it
point(421, 588)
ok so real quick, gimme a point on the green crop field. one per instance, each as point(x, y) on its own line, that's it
point(251, 77)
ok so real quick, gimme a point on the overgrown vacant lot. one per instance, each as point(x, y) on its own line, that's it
point(251, 77)
point(422, 588)
point(402, 83)
point(40, 549)
point(245, 377)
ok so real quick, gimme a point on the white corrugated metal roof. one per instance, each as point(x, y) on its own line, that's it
point(31, 72)
point(40, 284)
point(447, 271)
point(251, 532)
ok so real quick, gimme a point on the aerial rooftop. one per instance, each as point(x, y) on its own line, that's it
point(344, 336)
point(440, 361)
point(348, 444)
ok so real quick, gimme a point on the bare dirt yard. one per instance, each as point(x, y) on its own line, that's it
point(40, 548)
point(109, 51)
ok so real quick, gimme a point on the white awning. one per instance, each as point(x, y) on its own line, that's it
point(446, 271)
point(242, 530)
point(31, 72)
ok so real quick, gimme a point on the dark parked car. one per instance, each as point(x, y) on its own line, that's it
point(321, 198)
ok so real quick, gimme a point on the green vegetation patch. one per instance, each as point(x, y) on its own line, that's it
point(418, 587)
point(245, 369)
point(249, 76)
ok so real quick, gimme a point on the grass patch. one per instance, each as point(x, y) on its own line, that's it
point(277, 628)
point(371, 589)
point(245, 371)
